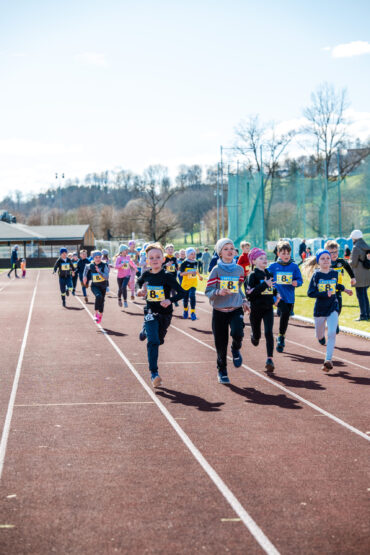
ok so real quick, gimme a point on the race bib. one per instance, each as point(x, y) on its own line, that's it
point(327, 285)
point(65, 267)
point(190, 271)
point(340, 274)
point(155, 293)
point(171, 268)
point(268, 291)
point(284, 278)
point(75, 265)
point(124, 266)
point(230, 283)
point(132, 255)
point(97, 278)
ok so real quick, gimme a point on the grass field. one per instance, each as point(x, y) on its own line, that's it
point(304, 305)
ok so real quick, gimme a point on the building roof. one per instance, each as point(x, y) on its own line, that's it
point(21, 232)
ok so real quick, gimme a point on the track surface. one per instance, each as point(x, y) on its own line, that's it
point(93, 466)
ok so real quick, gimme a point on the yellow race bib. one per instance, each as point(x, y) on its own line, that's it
point(284, 278)
point(230, 283)
point(327, 285)
point(124, 266)
point(97, 278)
point(155, 293)
point(65, 267)
point(171, 268)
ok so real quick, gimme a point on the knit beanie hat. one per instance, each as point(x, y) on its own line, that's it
point(132, 242)
point(123, 248)
point(62, 250)
point(320, 252)
point(255, 253)
point(105, 251)
point(221, 243)
point(189, 250)
point(356, 234)
point(95, 253)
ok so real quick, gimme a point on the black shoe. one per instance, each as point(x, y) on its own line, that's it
point(142, 335)
point(269, 366)
point(278, 312)
point(280, 343)
point(64, 303)
point(337, 331)
point(254, 341)
point(237, 358)
point(67, 292)
point(360, 319)
point(322, 341)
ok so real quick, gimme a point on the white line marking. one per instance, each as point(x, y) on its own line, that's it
point(83, 404)
point(253, 528)
point(176, 362)
point(291, 393)
point(317, 351)
point(9, 414)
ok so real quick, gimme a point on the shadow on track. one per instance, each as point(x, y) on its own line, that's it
point(112, 332)
point(180, 398)
point(207, 332)
point(259, 398)
point(73, 308)
point(352, 379)
point(305, 384)
point(133, 313)
point(353, 351)
point(309, 359)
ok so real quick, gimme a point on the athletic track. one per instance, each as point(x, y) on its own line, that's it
point(93, 460)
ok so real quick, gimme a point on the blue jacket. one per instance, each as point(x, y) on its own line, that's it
point(318, 289)
point(14, 256)
point(283, 274)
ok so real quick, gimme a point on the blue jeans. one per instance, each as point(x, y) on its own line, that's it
point(65, 283)
point(189, 294)
point(363, 301)
point(155, 329)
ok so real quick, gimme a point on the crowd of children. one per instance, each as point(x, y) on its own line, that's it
point(236, 285)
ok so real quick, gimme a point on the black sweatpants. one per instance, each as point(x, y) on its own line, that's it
point(256, 317)
point(99, 293)
point(285, 310)
point(221, 322)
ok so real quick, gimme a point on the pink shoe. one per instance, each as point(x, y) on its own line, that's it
point(96, 316)
point(99, 318)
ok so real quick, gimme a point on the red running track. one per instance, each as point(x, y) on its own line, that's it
point(92, 464)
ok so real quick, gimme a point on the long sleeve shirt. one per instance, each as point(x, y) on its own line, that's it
point(283, 274)
point(318, 289)
point(259, 293)
point(219, 279)
point(64, 267)
point(124, 265)
point(159, 287)
point(97, 273)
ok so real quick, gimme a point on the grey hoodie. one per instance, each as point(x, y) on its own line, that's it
point(220, 278)
point(362, 274)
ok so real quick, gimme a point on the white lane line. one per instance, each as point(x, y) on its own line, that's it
point(250, 524)
point(318, 351)
point(291, 393)
point(176, 362)
point(9, 413)
point(109, 403)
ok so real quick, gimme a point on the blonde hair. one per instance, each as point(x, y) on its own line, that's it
point(152, 246)
point(244, 244)
point(309, 266)
point(331, 244)
point(168, 246)
point(83, 250)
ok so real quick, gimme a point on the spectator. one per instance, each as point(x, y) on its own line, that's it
point(302, 251)
point(14, 261)
point(347, 252)
point(206, 258)
point(360, 262)
point(199, 260)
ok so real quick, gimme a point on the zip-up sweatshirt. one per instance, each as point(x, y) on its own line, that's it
point(124, 265)
point(222, 278)
point(64, 267)
point(283, 274)
point(99, 274)
point(318, 289)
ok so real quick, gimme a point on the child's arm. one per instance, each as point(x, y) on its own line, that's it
point(349, 271)
point(212, 289)
point(297, 277)
point(56, 265)
point(133, 265)
point(314, 292)
point(174, 284)
point(199, 276)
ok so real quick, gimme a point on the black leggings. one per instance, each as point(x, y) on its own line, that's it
point(122, 287)
point(99, 293)
point(256, 318)
point(285, 310)
point(221, 321)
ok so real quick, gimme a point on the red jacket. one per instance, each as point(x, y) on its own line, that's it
point(243, 261)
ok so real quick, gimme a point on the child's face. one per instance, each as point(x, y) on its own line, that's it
point(182, 253)
point(63, 255)
point(246, 249)
point(261, 262)
point(284, 255)
point(333, 254)
point(227, 253)
point(191, 256)
point(123, 253)
point(169, 251)
point(75, 257)
point(97, 259)
point(325, 261)
point(83, 255)
point(155, 259)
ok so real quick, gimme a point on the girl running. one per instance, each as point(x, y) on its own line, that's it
point(124, 265)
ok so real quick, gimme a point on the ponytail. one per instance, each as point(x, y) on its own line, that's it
point(309, 266)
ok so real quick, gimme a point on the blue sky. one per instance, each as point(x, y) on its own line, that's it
point(94, 85)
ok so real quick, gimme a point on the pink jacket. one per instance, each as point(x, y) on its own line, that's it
point(125, 266)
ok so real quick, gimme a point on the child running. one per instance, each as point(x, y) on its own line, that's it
point(134, 255)
point(339, 265)
point(23, 267)
point(323, 287)
point(189, 274)
point(83, 260)
point(158, 310)
point(229, 303)
point(124, 265)
point(74, 259)
point(98, 272)
point(65, 273)
point(170, 262)
point(286, 277)
point(262, 296)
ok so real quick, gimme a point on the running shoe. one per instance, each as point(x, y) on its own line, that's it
point(73, 292)
point(223, 378)
point(119, 302)
point(142, 334)
point(328, 365)
point(269, 366)
point(322, 341)
point(280, 343)
point(67, 292)
point(185, 314)
point(8, 276)
point(96, 316)
point(132, 297)
point(254, 341)
point(125, 304)
point(193, 316)
point(64, 302)
point(156, 379)
point(237, 358)
point(86, 300)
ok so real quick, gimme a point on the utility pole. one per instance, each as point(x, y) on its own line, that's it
point(339, 196)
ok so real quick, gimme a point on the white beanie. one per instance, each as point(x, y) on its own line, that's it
point(356, 234)
point(189, 250)
point(221, 243)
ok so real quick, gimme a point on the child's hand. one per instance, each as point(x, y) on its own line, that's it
point(330, 292)
point(201, 278)
point(225, 292)
point(165, 303)
point(295, 283)
point(353, 281)
point(269, 282)
point(246, 306)
point(141, 293)
point(97, 268)
point(349, 292)
point(84, 280)
point(73, 274)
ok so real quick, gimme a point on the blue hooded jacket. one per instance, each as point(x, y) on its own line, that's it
point(283, 274)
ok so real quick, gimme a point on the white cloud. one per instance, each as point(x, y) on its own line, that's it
point(350, 49)
point(92, 59)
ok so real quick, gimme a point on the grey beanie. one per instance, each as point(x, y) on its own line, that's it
point(221, 243)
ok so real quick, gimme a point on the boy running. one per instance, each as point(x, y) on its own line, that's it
point(189, 274)
point(98, 272)
point(158, 310)
point(83, 260)
point(65, 271)
point(339, 265)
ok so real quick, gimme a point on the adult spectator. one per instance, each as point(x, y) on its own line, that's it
point(199, 260)
point(14, 262)
point(206, 259)
point(213, 262)
point(302, 251)
point(360, 266)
